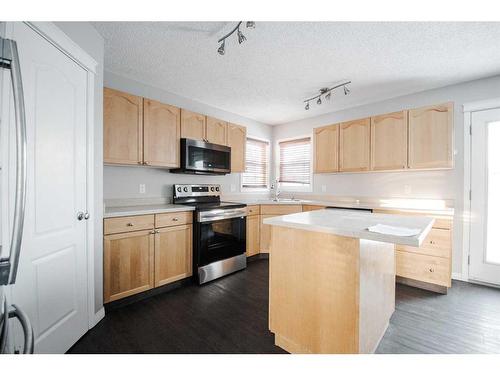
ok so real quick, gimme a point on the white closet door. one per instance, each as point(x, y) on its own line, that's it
point(51, 284)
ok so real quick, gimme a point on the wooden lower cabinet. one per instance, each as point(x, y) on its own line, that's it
point(173, 254)
point(265, 234)
point(128, 264)
point(309, 207)
point(253, 235)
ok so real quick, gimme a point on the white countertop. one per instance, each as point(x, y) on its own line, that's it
point(145, 209)
point(355, 224)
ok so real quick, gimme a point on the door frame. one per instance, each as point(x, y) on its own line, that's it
point(61, 41)
point(468, 110)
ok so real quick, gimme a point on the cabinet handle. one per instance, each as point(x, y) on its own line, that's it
point(432, 242)
point(431, 269)
point(175, 219)
point(130, 224)
point(152, 232)
point(157, 231)
point(145, 163)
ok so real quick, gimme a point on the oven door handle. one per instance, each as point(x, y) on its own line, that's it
point(205, 217)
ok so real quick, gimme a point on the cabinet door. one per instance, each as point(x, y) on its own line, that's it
point(122, 128)
point(355, 145)
point(253, 235)
point(237, 139)
point(265, 234)
point(216, 131)
point(389, 141)
point(128, 264)
point(173, 254)
point(430, 137)
point(326, 149)
point(192, 125)
point(162, 132)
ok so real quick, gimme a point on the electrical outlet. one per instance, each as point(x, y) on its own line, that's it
point(233, 188)
point(407, 189)
point(323, 188)
point(142, 188)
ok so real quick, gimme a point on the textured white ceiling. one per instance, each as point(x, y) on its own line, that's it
point(281, 63)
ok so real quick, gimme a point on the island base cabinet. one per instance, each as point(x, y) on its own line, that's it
point(329, 294)
point(173, 255)
point(128, 264)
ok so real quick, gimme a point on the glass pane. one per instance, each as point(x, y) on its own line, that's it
point(204, 158)
point(493, 216)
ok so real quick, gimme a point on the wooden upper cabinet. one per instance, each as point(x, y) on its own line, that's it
point(192, 125)
point(162, 131)
point(430, 137)
point(389, 139)
point(326, 149)
point(355, 146)
point(122, 128)
point(216, 131)
point(237, 139)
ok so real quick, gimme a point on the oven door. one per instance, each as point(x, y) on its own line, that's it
point(203, 157)
point(221, 239)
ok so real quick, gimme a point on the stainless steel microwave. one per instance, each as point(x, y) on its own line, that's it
point(198, 157)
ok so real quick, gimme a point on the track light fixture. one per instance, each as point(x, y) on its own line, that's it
point(241, 37)
point(326, 92)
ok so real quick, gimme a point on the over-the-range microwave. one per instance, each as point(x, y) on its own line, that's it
point(198, 157)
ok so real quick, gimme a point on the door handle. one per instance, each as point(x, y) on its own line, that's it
point(86, 216)
point(80, 216)
point(9, 59)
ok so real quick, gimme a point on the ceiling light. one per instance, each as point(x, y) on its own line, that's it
point(221, 48)
point(326, 92)
point(241, 37)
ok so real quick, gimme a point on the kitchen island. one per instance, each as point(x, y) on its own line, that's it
point(331, 281)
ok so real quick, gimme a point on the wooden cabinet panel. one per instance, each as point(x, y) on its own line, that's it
point(437, 243)
point(430, 269)
point(308, 207)
point(128, 264)
point(265, 234)
point(253, 210)
point(326, 149)
point(173, 254)
point(216, 131)
point(162, 132)
point(122, 128)
point(192, 125)
point(237, 139)
point(389, 139)
point(430, 137)
point(128, 223)
point(173, 218)
point(253, 235)
point(280, 209)
point(355, 146)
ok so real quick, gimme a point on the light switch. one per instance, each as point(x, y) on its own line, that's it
point(142, 188)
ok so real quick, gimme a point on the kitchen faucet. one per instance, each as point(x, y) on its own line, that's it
point(274, 187)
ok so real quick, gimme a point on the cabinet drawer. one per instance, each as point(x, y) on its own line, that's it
point(437, 243)
point(128, 223)
point(253, 210)
point(425, 268)
point(280, 209)
point(173, 218)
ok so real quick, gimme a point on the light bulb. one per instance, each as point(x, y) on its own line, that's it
point(328, 96)
point(346, 90)
point(221, 48)
point(251, 24)
point(241, 37)
point(307, 106)
point(319, 101)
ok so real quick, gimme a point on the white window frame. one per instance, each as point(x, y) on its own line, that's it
point(301, 189)
point(269, 155)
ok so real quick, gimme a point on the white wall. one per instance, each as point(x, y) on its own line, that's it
point(123, 182)
point(84, 34)
point(431, 184)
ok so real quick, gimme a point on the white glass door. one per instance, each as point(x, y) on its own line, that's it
point(485, 203)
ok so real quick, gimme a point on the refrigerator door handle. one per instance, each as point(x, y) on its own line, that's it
point(29, 335)
point(9, 59)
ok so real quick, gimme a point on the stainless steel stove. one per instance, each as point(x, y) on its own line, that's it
point(219, 231)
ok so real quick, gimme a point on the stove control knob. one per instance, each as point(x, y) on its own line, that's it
point(212, 188)
point(185, 189)
point(179, 189)
point(217, 188)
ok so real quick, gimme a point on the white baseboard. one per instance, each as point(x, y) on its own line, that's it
point(458, 276)
point(98, 316)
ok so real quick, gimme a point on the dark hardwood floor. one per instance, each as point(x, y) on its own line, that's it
point(229, 315)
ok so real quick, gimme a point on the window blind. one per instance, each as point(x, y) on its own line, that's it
point(295, 161)
point(256, 164)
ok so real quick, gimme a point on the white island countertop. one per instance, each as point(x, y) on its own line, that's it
point(355, 224)
point(144, 209)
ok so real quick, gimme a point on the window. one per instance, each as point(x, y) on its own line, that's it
point(256, 174)
point(295, 163)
